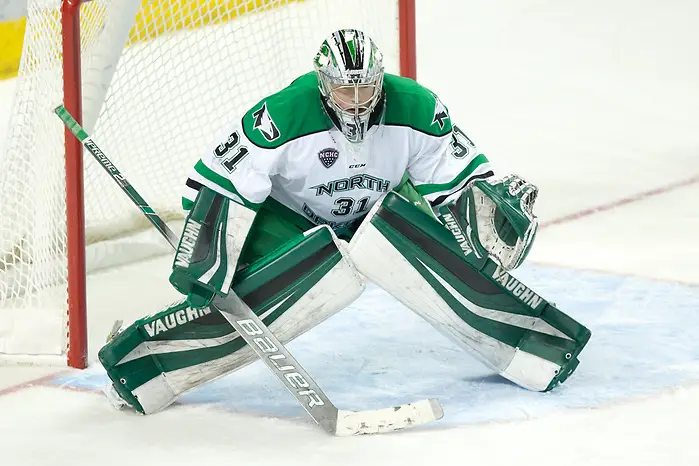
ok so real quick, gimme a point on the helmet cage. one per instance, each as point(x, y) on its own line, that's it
point(350, 78)
point(352, 99)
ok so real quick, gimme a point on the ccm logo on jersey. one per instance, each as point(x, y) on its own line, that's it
point(265, 124)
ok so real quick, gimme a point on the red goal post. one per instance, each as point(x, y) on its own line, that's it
point(121, 62)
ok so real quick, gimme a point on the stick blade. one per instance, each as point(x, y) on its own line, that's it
point(388, 419)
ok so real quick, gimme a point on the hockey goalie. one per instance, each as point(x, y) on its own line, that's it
point(347, 175)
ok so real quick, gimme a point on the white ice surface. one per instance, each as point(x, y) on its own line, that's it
point(594, 101)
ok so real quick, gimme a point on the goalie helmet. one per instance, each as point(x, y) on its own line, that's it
point(350, 77)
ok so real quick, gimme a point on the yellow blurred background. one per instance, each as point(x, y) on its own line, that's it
point(154, 18)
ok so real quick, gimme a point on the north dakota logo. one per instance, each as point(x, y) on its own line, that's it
point(264, 124)
point(440, 113)
point(328, 157)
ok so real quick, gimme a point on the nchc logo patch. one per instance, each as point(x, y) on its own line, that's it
point(328, 157)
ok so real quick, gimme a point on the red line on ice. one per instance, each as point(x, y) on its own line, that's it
point(41, 381)
point(620, 202)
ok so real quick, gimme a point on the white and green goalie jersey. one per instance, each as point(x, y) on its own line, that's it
point(287, 147)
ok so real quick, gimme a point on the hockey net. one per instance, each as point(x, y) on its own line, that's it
point(159, 78)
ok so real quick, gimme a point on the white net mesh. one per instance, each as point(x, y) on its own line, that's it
point(152, 106)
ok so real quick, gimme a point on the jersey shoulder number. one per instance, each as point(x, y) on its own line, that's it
point(230, 153)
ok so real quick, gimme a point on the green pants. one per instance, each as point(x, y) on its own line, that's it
point(274, 225)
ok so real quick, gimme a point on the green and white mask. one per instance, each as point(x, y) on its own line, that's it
point(350, 77)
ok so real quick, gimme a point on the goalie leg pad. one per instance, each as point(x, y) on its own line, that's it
point(292, 289)
point(431, 270)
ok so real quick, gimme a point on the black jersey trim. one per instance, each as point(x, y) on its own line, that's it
point(443, 197)
point(195, 185)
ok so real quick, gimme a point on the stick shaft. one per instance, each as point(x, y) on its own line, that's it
point(116, 175)
point(263, 342)
point(241, 317)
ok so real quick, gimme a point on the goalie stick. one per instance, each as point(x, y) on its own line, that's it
point(266, 345)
